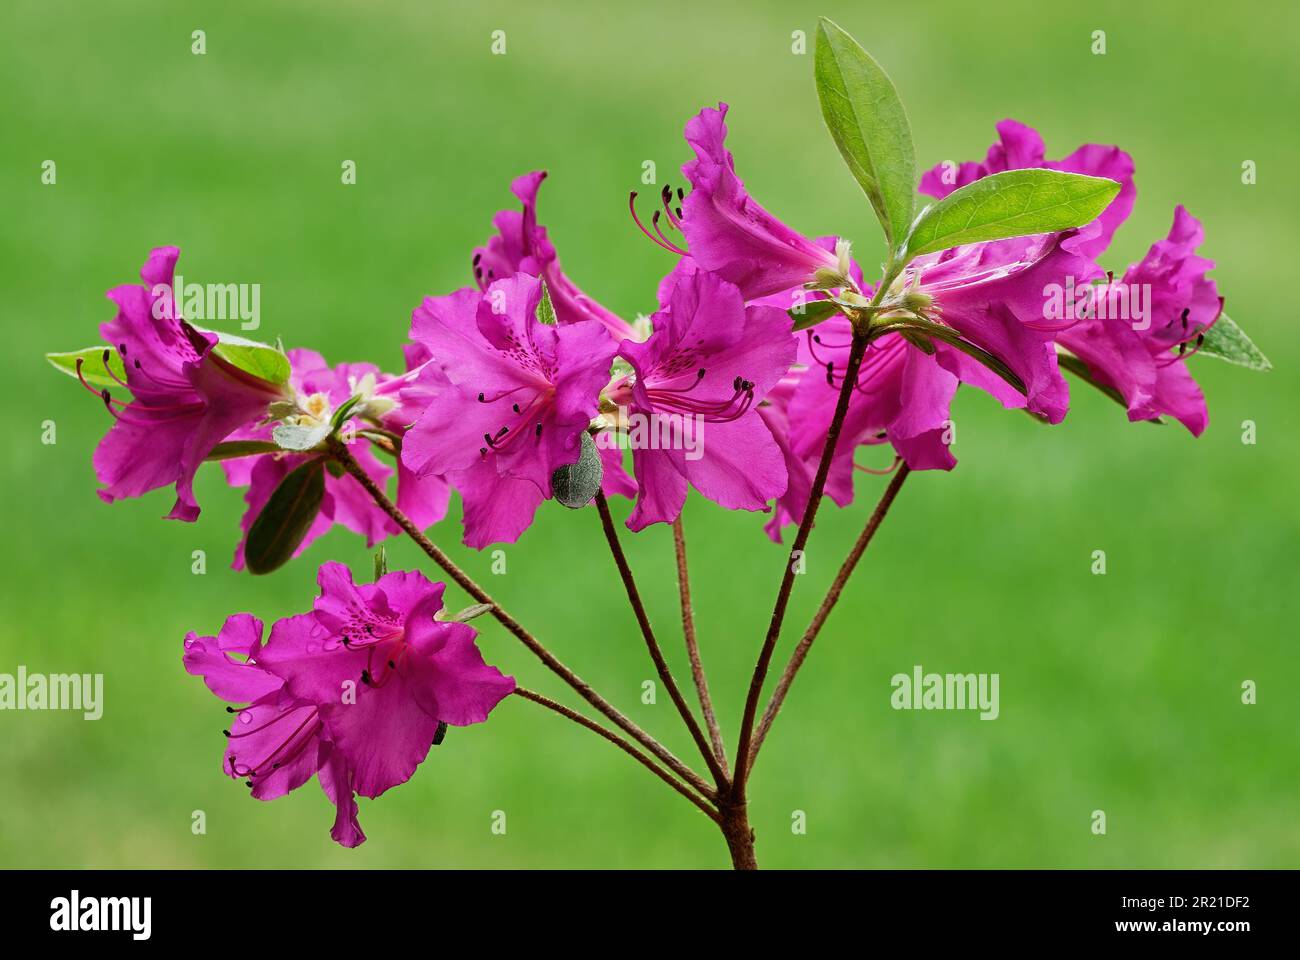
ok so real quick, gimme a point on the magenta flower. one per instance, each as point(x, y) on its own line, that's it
point(989, 293)
point(185, 399)
point(509, 398)
point(521, 246)
point(355, 692)
point(1139, 356)
point(690, 408)
point(728, 232)
point(1140, 353)
point(317, 390)
point(278, 741)
point(1021, 146)
point(383, 674)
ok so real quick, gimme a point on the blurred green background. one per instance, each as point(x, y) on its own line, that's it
point(1118, 692)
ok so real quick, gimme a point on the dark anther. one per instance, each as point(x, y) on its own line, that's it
point(515, 407)
point(539, 429)
point(477, 258)
point(700, 374)
point(230, 709)
point(830, 374)
point(391, 665)
point(122, 348)
point(226, 732)
point(482, 398)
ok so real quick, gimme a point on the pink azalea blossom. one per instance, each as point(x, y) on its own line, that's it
point(698, 379)
point(509, 398)
point(522, 246)
point(383, 673)
point(278, 741)
point(318, 390)
point(354, 692)
point(1142, 357)
point(185, 399)
point(1021, 146)
point(728, 232)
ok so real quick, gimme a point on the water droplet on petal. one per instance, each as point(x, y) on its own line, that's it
point(245, 717)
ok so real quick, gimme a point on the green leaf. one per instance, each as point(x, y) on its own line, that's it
point(381, 561)
point(1015, 203)
point(286, 518)
point(578, 483)
point(341, 414)
point(812, 313)
point(465, 615)
point(261, 360)
point(97, 364)
point(869, 125)
point(1227, 341)
point(233, 449)
point(546, 309)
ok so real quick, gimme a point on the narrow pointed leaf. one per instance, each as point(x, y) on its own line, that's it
point(812, 313)
point(260, 359)
point(286, 518)
point(869, 125)
point(95, 367)
point(1227, 341)
point(233, 449)
point(546, 309)
point(1015, 203)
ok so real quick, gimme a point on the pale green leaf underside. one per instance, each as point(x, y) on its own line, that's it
point(1015, 203)
point(869, 125)
point(1227, 341)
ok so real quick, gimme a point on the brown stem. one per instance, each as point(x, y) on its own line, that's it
point(623, 745)
point(693, 647)
point(584, 690)
point(656, 654)
point(824, 611)
point(856, 351)
point(739, 836)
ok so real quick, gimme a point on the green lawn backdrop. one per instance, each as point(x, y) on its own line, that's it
point(1118, 692)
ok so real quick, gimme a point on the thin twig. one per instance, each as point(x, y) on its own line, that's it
point(623, 745)
point(584, 690)
point(693, 647)
point(856, 352)
point(656, 653)
point(824, 611)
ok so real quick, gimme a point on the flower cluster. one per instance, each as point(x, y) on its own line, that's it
point(770, 359)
